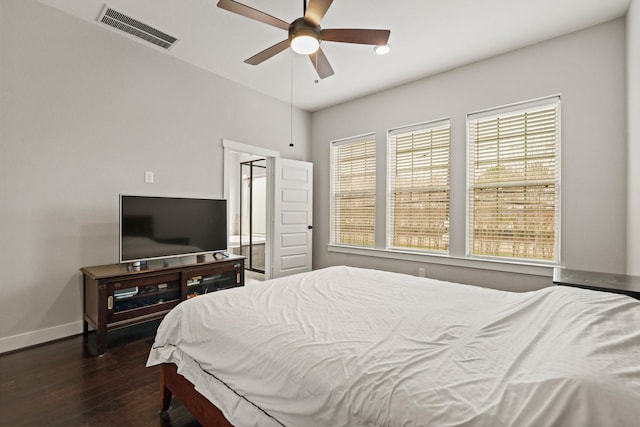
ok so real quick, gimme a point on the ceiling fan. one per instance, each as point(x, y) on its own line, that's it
point(305, 33)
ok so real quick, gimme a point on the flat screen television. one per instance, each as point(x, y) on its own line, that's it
point(164, 227)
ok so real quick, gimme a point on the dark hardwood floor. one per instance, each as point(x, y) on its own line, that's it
point(63, 384)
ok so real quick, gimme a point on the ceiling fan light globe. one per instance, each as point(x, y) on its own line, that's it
point(304, 44)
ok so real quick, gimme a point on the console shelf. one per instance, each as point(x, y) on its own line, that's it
point(118, 295)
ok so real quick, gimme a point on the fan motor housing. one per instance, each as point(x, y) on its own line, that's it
point(300, 27)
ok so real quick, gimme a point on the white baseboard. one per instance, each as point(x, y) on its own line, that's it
point(28, 339)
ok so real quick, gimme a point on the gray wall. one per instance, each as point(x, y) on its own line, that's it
point(83, 113)
point(586, 68)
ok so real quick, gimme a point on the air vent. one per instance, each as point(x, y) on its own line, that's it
point(122, 22)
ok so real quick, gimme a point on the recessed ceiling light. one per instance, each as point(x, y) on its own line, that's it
point(382, 49)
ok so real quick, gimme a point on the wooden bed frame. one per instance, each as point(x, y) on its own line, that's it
point(174, 384)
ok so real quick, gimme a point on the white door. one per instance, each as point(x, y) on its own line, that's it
point(292, 217)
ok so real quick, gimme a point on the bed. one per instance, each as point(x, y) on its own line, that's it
point(345, 346)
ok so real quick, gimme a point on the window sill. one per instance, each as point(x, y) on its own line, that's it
point(483, 264)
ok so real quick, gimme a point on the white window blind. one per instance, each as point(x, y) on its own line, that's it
point(418, 174)
point(514, 181)
point(353, 191)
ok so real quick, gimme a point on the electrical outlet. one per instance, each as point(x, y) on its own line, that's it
point(148, 177)
point(421, 272)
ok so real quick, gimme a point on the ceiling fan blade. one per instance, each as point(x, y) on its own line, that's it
point(321, 64)
point(268, 53)
point(249, 12)
point(316, 10)
point(350, 35)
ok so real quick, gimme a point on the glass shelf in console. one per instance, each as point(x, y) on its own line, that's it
point(200, 285)
point(144, 296)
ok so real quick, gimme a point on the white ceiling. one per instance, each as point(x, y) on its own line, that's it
point(427, 37)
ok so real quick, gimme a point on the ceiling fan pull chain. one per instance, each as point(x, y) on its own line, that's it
point(291, 105)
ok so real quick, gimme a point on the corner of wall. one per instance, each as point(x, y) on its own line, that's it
point(633, 137)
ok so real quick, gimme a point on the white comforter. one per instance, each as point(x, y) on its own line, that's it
point(352, 347)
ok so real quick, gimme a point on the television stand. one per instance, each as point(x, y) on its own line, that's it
point(120, 295)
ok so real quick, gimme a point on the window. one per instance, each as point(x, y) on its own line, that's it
point(513, 181)
point(418, 174)
point(353, 191)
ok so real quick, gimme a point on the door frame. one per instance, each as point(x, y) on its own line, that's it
point(238, 147)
